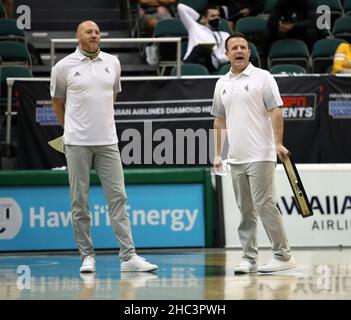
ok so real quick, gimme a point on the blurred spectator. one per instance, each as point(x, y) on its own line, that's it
point(294, 19)
point(206, 44)
point(236, 9)
point(342, 59)
point(152, 11)
point(9, 8)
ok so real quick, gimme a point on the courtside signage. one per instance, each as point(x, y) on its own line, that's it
point(329, 191)
point(299, 106)
point(40, 218)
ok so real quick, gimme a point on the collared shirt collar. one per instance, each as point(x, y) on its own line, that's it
point(81, 56)
point(247, 71)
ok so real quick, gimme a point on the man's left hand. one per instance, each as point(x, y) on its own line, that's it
point(282, 152)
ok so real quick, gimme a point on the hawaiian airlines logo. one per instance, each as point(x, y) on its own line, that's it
point(10, 218)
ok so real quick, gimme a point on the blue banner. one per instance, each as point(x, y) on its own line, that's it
point(161, 215)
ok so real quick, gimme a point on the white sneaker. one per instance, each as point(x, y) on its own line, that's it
point(277, 265)
point(88, 264)
point(137, 264)
point(245, 266)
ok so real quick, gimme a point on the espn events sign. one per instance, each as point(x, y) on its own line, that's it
point(40, 218)
point(328, 189)
point(299, 106)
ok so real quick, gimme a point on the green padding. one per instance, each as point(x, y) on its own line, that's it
point(49, 177)
point(14, 178)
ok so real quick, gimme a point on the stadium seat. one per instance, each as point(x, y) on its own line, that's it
point(255, 28)
point(250, 25)
point(12, 72)
point(347, 7)
point(191, 69)
point(342, 28)
point(13, 52)
point(292, 51)
point(167, 51)
point(254, 57)
point(269, 5)
point(197, 5)
point(335, 7)
point(170, 27)
point(287, 69)
point(224, 26)
point(9, 30)
point(224, 69)
point(323, 54)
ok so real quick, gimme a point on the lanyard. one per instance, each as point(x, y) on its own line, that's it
point(220, 36)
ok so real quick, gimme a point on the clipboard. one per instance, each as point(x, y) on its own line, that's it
point(57, 144)
point(297, 187)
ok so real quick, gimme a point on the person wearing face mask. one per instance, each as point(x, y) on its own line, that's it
point(246, 107)
point(206, 42)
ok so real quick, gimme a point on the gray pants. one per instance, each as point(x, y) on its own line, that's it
point(254, 192)
point(106, 161)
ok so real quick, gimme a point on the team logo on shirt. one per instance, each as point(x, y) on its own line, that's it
point(77, 74)
point(107, 70)
point(247, 87)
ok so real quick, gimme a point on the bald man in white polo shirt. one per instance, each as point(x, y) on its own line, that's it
point(246, 106)
point(84, 86)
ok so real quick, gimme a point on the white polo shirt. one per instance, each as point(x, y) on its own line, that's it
point(244, 101)
point(89, 88)
point(199, 33)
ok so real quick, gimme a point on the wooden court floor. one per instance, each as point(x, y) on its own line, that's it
point(188, 274)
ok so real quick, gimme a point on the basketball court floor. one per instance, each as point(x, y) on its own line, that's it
point(194, 274)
